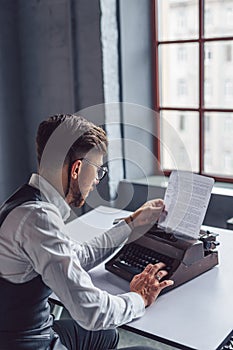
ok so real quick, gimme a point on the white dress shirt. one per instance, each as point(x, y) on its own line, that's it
point(34, 240)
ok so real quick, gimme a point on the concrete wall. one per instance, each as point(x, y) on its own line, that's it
point(45, 46)
point(87, 53)
point(13, 158)
point(50, 55)
point(136, 85)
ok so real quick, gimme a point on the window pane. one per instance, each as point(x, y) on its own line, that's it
point(177, 19)
point(218, 18)
point(218, 88)
point(218, 155)
point(179, 140)
point(178, 75)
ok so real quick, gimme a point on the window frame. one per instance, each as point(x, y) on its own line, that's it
point(201, 109)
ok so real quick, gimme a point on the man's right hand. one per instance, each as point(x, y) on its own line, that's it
point(147, 283)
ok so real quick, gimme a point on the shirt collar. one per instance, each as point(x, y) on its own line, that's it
point(50, 194)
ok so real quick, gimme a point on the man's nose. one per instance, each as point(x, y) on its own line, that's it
point(96, 182)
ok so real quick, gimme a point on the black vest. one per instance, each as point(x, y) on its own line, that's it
point(23, 306)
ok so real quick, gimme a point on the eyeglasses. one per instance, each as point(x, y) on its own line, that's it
point(101, 172)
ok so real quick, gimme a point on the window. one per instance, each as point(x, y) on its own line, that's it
point(227, 161)
point(181, 87)
point(182, 122)
point(228, 123)
point(229, 16)
point(228, 53)
point(182, 54)
point(228, 89)
point(199, 92)
point(181, 20)
point(208, 89)
point(208, 17)
point(208, 159)
point(207, 123)
point(208, 54)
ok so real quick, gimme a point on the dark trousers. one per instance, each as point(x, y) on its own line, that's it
point(75, 337)
point(66, 335)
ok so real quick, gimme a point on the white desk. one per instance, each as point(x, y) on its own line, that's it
point(196, 315)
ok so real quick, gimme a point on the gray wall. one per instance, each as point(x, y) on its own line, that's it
point(136, 84)
point(46, 67)
point(51, 62)
point(136, 57)
point(87, 53)
point(13, 158)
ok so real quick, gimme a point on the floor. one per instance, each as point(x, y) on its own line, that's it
point(132, 339)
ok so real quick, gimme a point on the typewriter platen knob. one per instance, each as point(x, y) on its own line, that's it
point(209, 240)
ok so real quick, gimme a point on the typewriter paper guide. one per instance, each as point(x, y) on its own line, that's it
point(186, 201)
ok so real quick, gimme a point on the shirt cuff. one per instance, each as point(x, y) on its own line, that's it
point(119, 233)
point(137, 302)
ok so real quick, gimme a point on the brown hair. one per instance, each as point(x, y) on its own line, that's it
point(87, 136)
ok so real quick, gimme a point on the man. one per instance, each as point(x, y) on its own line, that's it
point(37, 256)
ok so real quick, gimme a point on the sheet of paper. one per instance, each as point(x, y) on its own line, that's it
point(186, 201)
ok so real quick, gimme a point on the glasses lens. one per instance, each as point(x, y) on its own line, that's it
point(100, 173)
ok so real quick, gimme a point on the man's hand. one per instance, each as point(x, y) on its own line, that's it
point(147, 214)
point(148, 284)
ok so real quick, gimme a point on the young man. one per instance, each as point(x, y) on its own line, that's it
point(37, 256)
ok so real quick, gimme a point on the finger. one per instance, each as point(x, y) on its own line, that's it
point(156, 213)
point(165, 284)
point(143, 276)
point(147, 269)
point(159, 203)
point(156, 274)
point(156, 202)
point(161, 274)
point(158, 266)
point(151, 272)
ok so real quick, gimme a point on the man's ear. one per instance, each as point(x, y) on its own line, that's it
point(75, 169)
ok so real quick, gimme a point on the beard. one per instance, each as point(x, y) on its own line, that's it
point(74, 197)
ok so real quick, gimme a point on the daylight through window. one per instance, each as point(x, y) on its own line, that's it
point(193, 48)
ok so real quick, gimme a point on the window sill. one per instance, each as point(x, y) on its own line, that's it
point(220, 188)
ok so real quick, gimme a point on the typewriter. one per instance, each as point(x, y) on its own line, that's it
point(185, 259)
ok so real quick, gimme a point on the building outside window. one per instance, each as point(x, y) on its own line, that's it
point(227, 161)
point(181, 20)
point(207, 123)
point(208, 89)
point(228, 89)
point(182, 54)
point(228, 51)
point(182, 87)
point(182, 122)
point(229, 16)
point(208, 55)
point(201, 91)
point(208, 17)
point(228, 124)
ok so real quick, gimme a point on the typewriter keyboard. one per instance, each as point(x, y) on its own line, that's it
point(134, 258)
point(229, 345)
